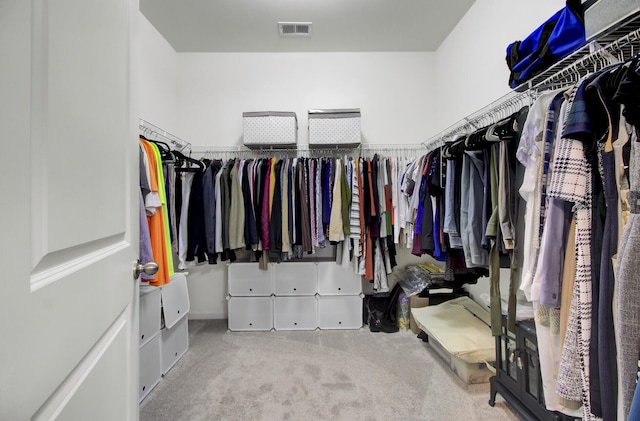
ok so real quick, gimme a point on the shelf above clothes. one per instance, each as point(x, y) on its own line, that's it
point(154, 132)
point(363, 150)
point(591, 58)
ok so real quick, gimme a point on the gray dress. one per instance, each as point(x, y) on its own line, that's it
point(628, 290)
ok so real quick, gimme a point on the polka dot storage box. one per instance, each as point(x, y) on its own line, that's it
point(264, 129)
point(334, 127)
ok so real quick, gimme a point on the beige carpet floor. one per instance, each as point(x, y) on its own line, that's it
point(317, 375)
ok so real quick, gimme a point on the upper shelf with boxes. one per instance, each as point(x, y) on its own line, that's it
point(279, 129)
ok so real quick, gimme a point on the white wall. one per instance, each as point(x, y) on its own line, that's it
point(395, 92)
point(157, 78)
point(471, 70)
point(404, 97)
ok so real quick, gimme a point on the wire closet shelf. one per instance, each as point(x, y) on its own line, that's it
point(590, 58)
point(363, 150)
point(153, 132)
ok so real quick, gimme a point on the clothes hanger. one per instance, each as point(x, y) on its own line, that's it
point(184, 158)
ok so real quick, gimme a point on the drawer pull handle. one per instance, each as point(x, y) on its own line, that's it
point(178, 311)
point(295, 323)
point(250, 324)
point(143, 388)
point(176, 354)
point(339, 323)
point(142, 337)
point(250, 289)
point(339, 289)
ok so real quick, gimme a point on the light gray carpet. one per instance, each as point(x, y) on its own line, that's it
point(319, 375)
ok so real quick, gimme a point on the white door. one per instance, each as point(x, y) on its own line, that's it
point(68, 227)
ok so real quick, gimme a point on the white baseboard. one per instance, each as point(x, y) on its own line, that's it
point(207, 316)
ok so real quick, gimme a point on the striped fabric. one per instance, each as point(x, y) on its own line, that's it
point(354, 212)
point(571, 180)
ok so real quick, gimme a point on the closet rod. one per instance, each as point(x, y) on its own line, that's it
point(582, 64)
point(150, 130)
point(487, 115)
point(303, 150)
point(601, 56)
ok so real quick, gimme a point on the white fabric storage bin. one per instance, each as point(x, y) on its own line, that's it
point(295, 313)
point(295, 279)
point(174, 343)
point(248, 280)
point(175, 299)
point(250, 313)
point(603, 15)
point(334, 279)
point(150, 366)
point(459, 332)
point(340, 312)
point(334, 127)
point(149, 313)
point(270, 128)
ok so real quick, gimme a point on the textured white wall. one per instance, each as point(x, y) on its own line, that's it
point(404, 97)
point(395, 92)
point(471, 70)
point(157, 78)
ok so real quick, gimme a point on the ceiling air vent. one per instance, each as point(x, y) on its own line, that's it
point(295, 28)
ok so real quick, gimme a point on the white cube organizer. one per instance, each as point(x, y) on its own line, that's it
point(294, 296)
point(340, 312)
point(340, 127)
point(149, 313)
point(250, 313)
point(270, 128)
point(163, 307)
point(295, 313)
point(150, 366)
point(174, 342)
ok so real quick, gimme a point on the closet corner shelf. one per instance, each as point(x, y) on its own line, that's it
point(618, 39)
point(151, 130)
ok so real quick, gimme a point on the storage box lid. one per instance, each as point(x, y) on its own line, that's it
point(270, 114)
point(335, 113)
point(460, 326)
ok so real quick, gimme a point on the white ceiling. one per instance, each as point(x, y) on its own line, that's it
point(338, 25)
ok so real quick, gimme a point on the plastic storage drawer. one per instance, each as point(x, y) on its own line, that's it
point(295, 279)
point(295, 313)
point(174, 343)
point(150, 366)
point(340, 312)
point(248, 280)
point(334, 279)
point(250, 313)
point(149, 313)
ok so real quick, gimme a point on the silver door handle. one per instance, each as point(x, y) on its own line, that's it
point(148, 269)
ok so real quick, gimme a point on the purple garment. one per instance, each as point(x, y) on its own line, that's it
point(146, 254)
point(264, 226)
